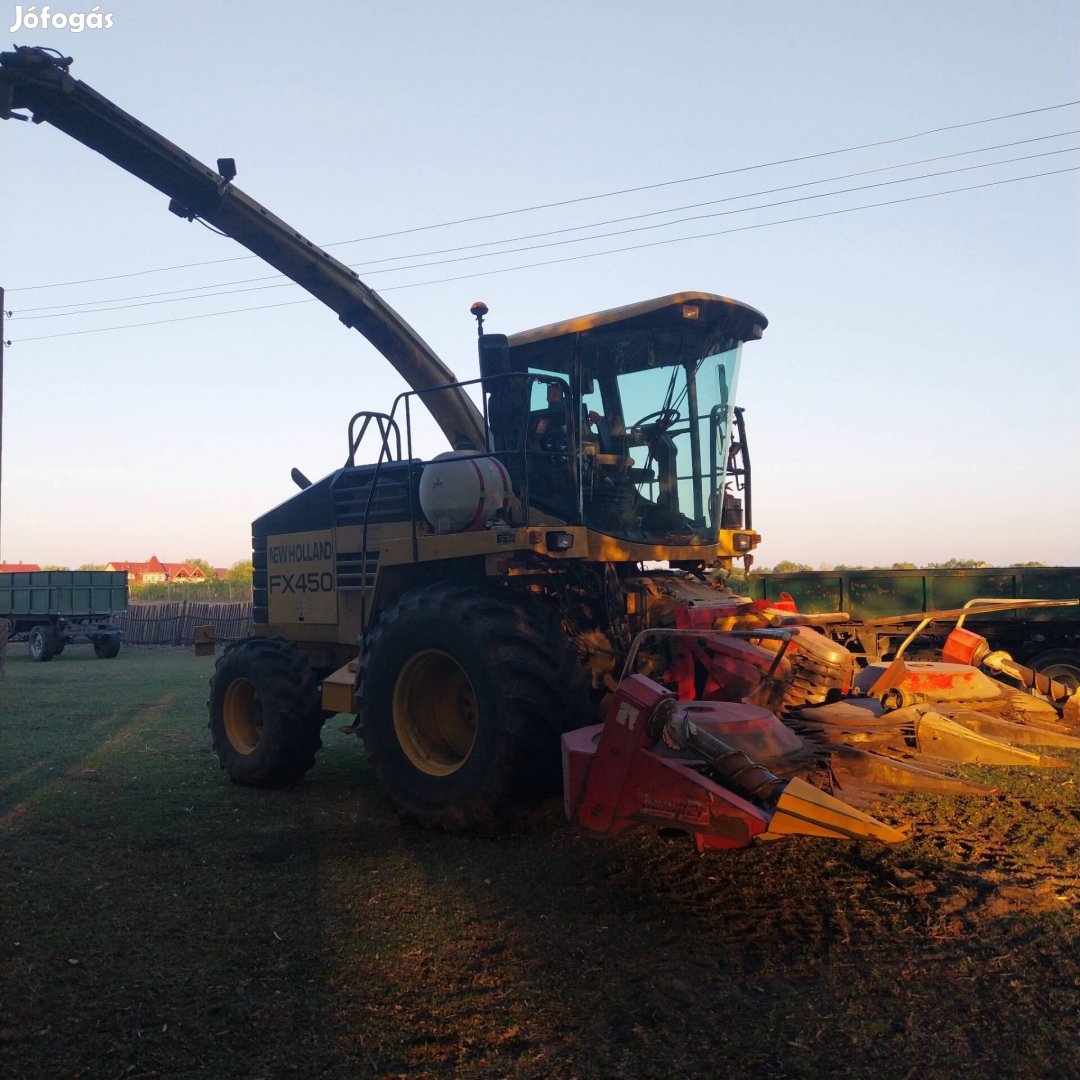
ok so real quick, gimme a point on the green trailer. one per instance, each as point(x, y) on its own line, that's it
point(50, 609)
point(1044, 638)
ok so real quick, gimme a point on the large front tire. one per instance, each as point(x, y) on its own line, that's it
point(463, 691)
point(265, 712)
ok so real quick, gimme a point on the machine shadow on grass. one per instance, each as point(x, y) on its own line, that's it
point(159, 920)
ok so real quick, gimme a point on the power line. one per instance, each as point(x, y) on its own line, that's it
point(603, 236)
point(154, 303)
point(737, 229)
point(731, 198)
point(586, 255)
point(712, 175)
point(162, 322)
point(581, 198)
point(369, 266)
point(728, 213)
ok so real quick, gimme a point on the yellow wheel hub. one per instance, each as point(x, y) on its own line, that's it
point(435, 713)
point(242, 713)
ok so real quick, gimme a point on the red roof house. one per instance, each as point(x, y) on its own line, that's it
point(154, 570)
point(140, 573)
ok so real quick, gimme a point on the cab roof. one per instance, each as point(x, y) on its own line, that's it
point(707, 310)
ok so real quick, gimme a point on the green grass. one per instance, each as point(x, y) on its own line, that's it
point(156, 920)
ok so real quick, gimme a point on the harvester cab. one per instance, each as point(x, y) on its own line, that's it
point(622, 421)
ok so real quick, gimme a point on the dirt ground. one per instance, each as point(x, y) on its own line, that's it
point(156, 920)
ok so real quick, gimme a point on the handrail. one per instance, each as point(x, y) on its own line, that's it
point(387, 426)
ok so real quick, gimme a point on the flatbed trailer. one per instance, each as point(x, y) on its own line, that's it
point(1046, 639)
point(50, 609)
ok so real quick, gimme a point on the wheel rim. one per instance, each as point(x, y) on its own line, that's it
point(1067, 674)
point(435, 713)
point(242, 715)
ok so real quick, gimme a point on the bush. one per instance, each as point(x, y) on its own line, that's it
point(200, 590)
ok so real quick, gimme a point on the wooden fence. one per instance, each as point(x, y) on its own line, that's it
point(173, 622)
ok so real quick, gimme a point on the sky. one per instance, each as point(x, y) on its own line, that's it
point(914, 398)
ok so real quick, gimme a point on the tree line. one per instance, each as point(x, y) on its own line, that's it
point(235, 585)
point(787, 566)
point(239, 571)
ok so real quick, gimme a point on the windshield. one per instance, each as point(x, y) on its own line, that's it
point(653, 464)
point(630, 431)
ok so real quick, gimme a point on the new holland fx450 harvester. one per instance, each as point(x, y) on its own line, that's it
point(481, 611)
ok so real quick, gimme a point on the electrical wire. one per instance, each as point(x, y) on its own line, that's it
point(581, 198)
point(586, 255)
point(370, 267)
point(727, 213)
point(737, 229)
point(587, 239)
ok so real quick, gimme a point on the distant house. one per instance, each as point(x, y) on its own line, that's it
point(183, 572)
point(142, 573)
point(18, 567)
point(155, 571)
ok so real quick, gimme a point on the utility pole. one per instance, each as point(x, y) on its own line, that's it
point(3, 629)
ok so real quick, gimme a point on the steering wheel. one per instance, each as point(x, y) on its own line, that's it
point(662, 419)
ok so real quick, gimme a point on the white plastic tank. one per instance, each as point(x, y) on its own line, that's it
point(462, 489)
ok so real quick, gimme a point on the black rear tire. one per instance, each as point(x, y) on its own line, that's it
point(265, 712)
point(463, 691)
point(41, 643)
point(106, 648)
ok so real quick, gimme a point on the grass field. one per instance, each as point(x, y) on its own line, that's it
point(158, 921)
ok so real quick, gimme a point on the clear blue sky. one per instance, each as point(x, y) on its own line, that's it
point(914, 398)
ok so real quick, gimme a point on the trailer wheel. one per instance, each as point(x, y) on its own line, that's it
point(463, 692)
point(106, 648)
point(41, 643)
point(265, 712)
point(1061, 665)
